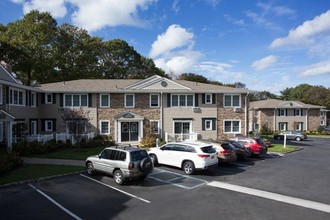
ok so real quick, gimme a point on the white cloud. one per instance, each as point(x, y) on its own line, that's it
point(97, 14)
point(174, 37)
point(264, 62)
point(306, 33)
point(239, 22)
point(321, 68)
point(55, 7)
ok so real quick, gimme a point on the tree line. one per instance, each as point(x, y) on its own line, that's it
point(41, 51)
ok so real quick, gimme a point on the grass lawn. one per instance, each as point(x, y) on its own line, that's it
point(71, 153)
point(36, 171)
point(279, 148)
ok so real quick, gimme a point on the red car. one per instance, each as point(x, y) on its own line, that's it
point(256, 145)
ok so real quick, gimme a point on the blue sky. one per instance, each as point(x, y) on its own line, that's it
point(268, 45)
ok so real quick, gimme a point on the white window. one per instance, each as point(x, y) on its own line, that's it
point(33, 127)
point(182, 100)
point(208, 125)
point(232, 126)
point(154, 126)
point(297, 112)
point(16, 97)
point(322, 123)
point(232, 101)
point(282, 112)
point(182, 127)
point(322, 113)
point(33, 98)
point(49, 98)
point(208, 98)
point(129, 101)
point(283, 126)
point(76, 100)
point(256, 126)
point(48, 125)
point(104, 127)
point(1, 94)
point(104, 100)
point(154, 100)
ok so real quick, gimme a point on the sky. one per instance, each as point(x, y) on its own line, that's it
point(267, 45)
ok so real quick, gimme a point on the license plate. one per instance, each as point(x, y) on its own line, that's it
point(212, 157)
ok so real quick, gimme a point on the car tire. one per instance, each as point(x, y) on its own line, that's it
point(298, 138)
point(118, 177)
point(154, 159)
point(90, 168)
point(146, 165)
point(188, 167)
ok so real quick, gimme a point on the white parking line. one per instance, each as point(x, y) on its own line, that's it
point(126, 193)
point(56, 203)
point(273, 196)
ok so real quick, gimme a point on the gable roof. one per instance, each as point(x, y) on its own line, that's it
point(277, 104)
point(154, 84)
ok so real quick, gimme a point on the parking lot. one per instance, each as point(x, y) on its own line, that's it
point(293, 186)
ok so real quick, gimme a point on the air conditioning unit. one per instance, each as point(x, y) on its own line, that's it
point(236, 109)
point(196, 110)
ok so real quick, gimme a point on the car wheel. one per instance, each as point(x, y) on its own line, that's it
point(298, 138)
point(90, 168)
point(118, 177)
point(154, 159)
point(146, 165)
point(188, 167)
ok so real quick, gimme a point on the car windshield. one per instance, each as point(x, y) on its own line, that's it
point(138, 155)
point(208, 149)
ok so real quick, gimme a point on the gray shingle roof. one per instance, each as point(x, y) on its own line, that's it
point(276, 104)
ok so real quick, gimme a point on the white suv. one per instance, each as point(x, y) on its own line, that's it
point(186, 155)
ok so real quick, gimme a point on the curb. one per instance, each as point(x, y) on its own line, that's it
point(282, 154)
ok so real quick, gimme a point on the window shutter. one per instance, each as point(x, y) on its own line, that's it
point(90, 95)
point(286, 112)
point(294, 112)
point(196, 100)
point(42, 125)
point(7, 95)
point(203, 98)
point(54, 124)
point(302, 113)
point(203, 124)
point(27, 100)
point(213, 124)
point(42, 98)
point(54, 98)
point(37, 99)
point(279, 112)
point(213, 98)
point(168, 100)
point(61, 100)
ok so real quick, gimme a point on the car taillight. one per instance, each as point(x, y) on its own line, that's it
point(130, 166)
point(203, 155)
point(225, 152)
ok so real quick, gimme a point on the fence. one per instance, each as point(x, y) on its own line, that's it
point(180, 137)
point(59, 137)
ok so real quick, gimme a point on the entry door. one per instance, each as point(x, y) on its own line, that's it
point(129, 131)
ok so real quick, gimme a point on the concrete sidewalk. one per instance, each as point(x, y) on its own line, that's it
point(29, 160)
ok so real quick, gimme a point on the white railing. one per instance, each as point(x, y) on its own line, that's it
point(181, 137)
point(59, 137)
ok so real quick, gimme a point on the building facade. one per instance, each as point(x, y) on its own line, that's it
point(279, 115)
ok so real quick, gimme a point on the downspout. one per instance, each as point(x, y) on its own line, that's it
point(246, 114)
point(274, 128)
point(161, 116)
point(307, 119)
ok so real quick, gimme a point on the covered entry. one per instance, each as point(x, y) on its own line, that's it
point(6, 128)
point(129, 127)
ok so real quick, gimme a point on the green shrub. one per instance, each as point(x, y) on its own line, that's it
point(148, 141)
point(9, 161)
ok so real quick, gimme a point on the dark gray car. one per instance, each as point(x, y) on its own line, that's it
point(123, 163)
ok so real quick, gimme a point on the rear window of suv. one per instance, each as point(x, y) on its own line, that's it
point(208, 149)
point(138, 155)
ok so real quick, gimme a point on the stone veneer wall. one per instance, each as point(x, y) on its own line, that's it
point(266, 116)
point(314, 119)
point(117, 106)
point(228, 113)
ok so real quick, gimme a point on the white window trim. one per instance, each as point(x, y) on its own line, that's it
point(231, 101)
point(51, 123)
point(284, 110)
point(157, 100)
point(158, 128)
point(211, 125)
point(182, 121)
point(133, 106)
point(185, 106)
point(285, 126)
point(11, 99)
point(231, 129)
point(295, 113)
point(104, 106)
point(211, 98)
point(1, 94)
point(46, 98)
point(71, 106)
point(322, 123)
point(33, 98)
point(100, 124)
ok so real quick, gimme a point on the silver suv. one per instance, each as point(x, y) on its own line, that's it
point(123, 163)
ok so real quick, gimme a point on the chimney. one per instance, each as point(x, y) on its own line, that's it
point(7, 66)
